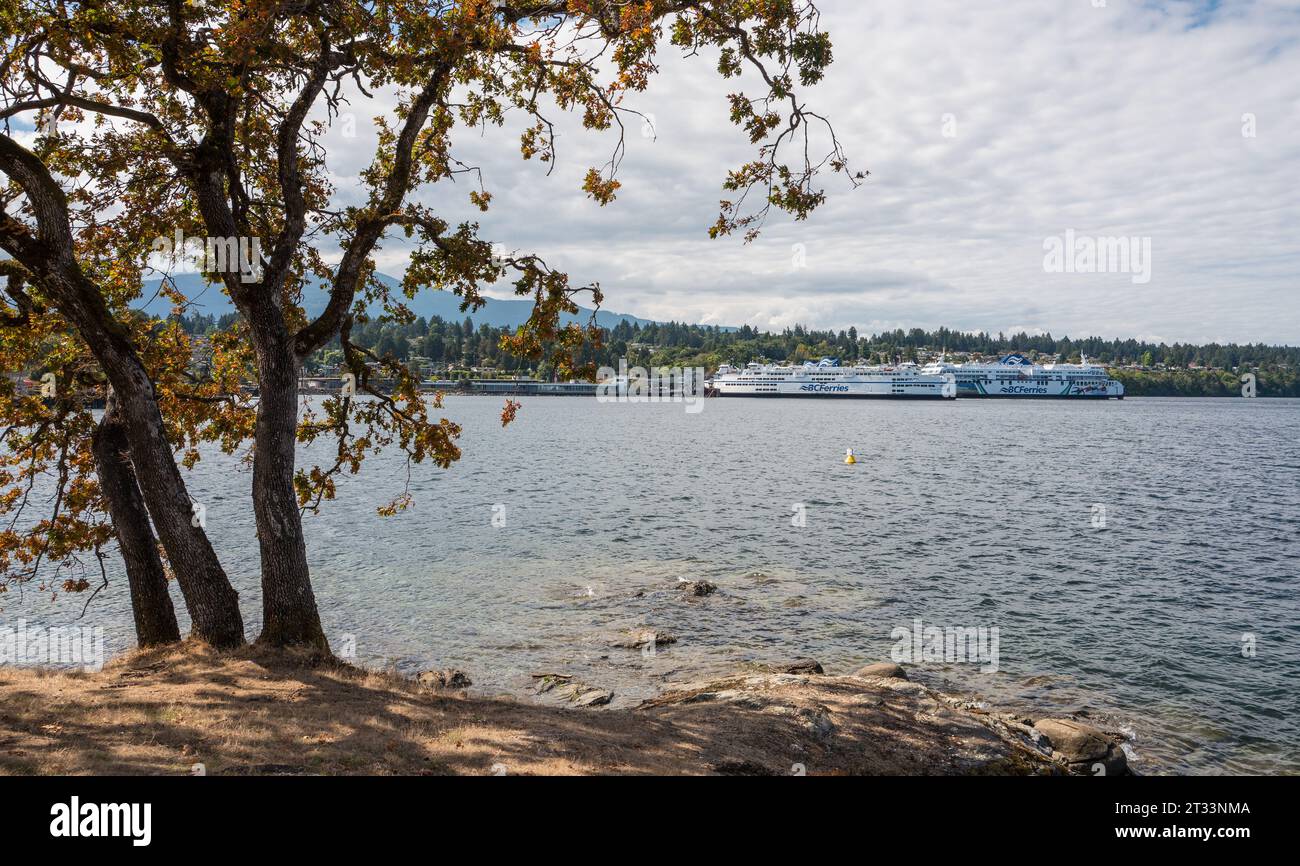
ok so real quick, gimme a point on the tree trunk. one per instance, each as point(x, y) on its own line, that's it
point(289, 613)
point(212, 602)
point(155, 617)
point(49, 255)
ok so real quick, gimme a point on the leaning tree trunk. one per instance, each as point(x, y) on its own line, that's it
point(212, 602)
point(155, 618)
point(50, 255)
point(289, 613)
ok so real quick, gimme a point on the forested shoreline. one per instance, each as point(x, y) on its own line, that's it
point(1145, 368)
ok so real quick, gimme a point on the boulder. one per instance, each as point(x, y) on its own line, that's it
point(885, 670)
point(797, 666)
point(1086, 750)
point(590, 696)
point(445, 679)
point(564, 688)
point(548, 681)
point(697, 588)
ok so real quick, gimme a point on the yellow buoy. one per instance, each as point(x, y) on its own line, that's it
point(848, 456)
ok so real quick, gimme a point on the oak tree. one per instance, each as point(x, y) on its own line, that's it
point(126, 123)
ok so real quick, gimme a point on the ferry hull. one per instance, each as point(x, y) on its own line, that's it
point(1023, 392)
point(887, 390)
point(1014, 376)
point(823, 396)
point(828, 380)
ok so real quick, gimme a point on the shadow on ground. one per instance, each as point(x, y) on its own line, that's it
point(260, 712)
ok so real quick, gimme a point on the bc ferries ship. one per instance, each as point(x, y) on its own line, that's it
point(827, 378)
point(1015, 376)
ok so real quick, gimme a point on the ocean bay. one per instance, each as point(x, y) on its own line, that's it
point(965, 514)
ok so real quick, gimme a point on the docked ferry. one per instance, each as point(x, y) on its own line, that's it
point(1016, 376)
point(827, 378)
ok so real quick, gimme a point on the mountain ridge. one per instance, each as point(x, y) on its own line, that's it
point(209, 299)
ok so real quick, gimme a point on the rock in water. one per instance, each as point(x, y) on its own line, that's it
point(1085, 749)
point(1074, 741)
point(447, 679)
point(566, 689)
point(640, 638)
point(592, 697)
point(697, 588)
point(798, 666)
point(548, 681)
point(885, 670)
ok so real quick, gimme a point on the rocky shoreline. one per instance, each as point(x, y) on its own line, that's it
point(190, 709)
point(981, 739)
point(857, 723)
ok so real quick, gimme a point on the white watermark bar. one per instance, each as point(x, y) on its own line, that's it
point(1083, 254)
point(33, 645)
point(132, 821)
point(656, 385)
point(951, 644)
point(208, 255)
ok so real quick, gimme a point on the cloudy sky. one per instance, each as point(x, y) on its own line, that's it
point(988, 129)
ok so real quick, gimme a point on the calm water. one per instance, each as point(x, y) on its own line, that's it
point(973, 513)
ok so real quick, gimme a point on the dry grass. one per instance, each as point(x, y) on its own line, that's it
point(262, 712)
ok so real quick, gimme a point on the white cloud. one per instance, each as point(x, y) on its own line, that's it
point(1124, 120)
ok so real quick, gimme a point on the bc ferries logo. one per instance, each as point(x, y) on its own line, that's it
point(1016, 360)
point(819, 387)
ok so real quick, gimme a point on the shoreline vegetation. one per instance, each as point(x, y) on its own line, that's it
point(189, 709)
point(440, 349)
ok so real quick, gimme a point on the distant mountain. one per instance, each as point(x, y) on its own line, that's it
point(210, 300)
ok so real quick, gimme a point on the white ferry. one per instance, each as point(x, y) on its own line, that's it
point(827, 378)
point(1015, 376)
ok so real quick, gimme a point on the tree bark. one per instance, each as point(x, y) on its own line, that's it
point(289, 612)
point(49, 254)
point(151, 604)
point(212, 602)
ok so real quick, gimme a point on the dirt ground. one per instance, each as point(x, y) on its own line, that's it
point(269, 713)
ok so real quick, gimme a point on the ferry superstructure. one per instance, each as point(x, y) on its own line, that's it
point(827, 379)
point(1016, 376)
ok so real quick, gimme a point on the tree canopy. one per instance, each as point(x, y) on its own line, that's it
point(129, 124)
